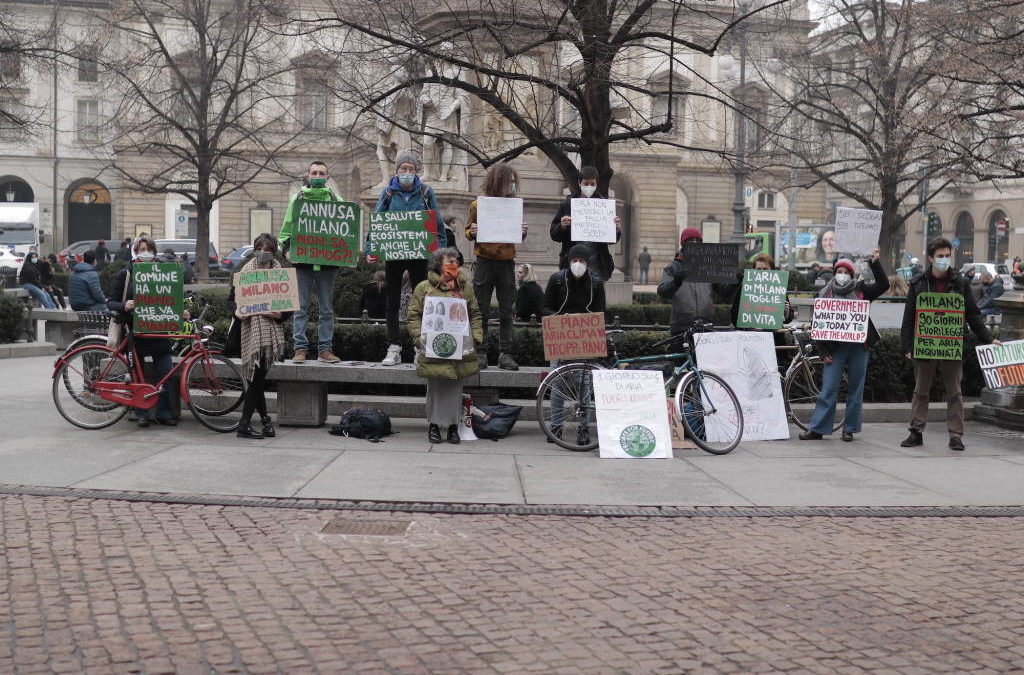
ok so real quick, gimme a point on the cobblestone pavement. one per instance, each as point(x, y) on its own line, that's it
point(107, 586)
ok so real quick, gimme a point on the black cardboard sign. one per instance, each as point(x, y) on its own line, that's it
point(711, 263)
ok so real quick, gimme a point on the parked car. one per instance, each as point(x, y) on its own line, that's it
point(231, 260)
point(12, 259)
point(181, 246)
point(995, 269)
point(73, 253)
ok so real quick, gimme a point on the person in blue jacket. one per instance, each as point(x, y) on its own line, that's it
point(405, 192)
point(84, 288)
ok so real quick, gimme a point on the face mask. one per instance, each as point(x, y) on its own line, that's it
point(317, 182)
point(406, 179)
point(451, 270)
point(588, 190)
point(33, 260)
point(264, 257)
point(941, 264)
point(578, 268)
point(144, 256)
point(842, 279)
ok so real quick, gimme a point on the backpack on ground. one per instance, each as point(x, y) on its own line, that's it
point(363, 422)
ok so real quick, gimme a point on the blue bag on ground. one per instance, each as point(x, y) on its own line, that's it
point(503, 418)
point(363, 422)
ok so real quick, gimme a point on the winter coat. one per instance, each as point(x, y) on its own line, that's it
point(690, 300)
point(445, 368)
point(991, 292)
point(324, 194)
point(600, 258)
point(566, 294)
point(420, 197)
point(925, 283)
point(373, 301)
point(529, 301)
point(487, 251)
point(29, 274)
point(84, 288)
point(145, 346)
point(871, 291)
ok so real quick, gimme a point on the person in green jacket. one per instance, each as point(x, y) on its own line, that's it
point(320, 277)
point(445, 279)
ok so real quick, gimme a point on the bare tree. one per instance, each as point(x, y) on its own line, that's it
point(26, 39)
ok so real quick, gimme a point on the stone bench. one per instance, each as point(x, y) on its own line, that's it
point(58, 325)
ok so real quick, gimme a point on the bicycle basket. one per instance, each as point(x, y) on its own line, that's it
point(92, 323)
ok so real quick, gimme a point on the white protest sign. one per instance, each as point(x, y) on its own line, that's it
point(746, 361)
point(1002, 366)
point(857, 230)
point(840, 320)
point(593, 220)
point(443, 345)
point(499, 220)
point(632, 421)
point(445, 315)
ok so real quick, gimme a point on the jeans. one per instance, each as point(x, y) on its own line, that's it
point(393, 270)
point(853, 358)
point(39, 294)
point(643, 275)
point(582, 383)
point(951, 373)
point(324, 282)
point(496, 276)
point(98, 307)
point(989, 311)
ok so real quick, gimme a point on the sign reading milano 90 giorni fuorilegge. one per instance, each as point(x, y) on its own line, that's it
point(710, 263)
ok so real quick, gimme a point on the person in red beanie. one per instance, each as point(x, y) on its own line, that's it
point(690, 300)
point(848, 357)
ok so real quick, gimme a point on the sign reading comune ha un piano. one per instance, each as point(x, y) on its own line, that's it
point(264, 291)
point(159, 294)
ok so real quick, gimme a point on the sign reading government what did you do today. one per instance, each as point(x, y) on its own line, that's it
point(326, 233)
point(159, 294)
point(840, 320)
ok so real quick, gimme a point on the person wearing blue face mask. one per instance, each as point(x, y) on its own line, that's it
point(938, 277)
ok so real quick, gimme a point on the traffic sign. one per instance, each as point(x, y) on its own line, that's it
point(956, 242)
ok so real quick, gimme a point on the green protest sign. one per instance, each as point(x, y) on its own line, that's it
point(402, 235)
point(159, 294)
point(763, 299)
point(939, 326)
point(326, 233)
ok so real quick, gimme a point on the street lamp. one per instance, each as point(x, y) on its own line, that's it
point(727, 64)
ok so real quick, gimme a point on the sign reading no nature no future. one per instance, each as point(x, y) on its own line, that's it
point(326, 233)
point(159, 294)
point(1003, 365)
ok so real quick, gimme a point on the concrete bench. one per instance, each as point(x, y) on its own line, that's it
point(58, 325)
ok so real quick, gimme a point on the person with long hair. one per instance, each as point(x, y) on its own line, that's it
point(529, 295)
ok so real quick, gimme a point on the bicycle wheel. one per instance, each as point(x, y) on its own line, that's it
point(565, 407)
point(710, 412)
point(801, 390)
point(215, 389)
point(73, 393)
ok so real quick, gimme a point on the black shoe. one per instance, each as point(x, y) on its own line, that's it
point(848, 436)
point(583, 436)
point(268, 427)
point(810, 436)
point(167, 421)
point(245, 430)
point(143, 422)
point(956, 443)
point(556, 432)
point(506, 362)
point(453, 434)
point(434, 434)
point(913, 440)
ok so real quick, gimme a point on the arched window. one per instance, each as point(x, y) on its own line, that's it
point(998, 236)
point(963, 235)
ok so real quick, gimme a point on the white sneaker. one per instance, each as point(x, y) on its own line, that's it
point(393, 357)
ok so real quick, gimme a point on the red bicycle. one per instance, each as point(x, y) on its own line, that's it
point(93, 385)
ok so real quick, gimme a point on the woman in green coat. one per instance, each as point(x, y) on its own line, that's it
point(445, 279)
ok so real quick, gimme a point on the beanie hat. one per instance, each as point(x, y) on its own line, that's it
point(688, 234)
point(409, 156)
point(581, 251)
point(844, 262)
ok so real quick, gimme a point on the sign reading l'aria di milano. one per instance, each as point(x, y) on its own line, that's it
point(326, 233)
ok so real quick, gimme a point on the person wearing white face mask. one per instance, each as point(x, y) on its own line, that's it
point(599, 258)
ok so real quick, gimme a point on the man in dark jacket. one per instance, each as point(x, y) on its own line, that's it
point(599, 258)
point(102, 254)
point(124, 253)
point(938, 277)
point(84, 286)
point(690, 300)
point(575, 290)
point(992, 288)
point(31, 281)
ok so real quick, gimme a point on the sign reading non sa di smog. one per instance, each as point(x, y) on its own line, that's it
point(326, 233)
point(632, 421)
point(402, 235)
point(1003, 365)
point(710, 263)
point(763, 299)
point(593, 220)
point(267, 290)
point(939, 327)
point(840, 320)
point(857, 230)
point(159, 294)
point(574, 336)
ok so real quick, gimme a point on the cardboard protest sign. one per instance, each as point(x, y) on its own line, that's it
point(632, 421)
point(593, 219)
point(939, 326)
point(264, 291)
point(763, 299)
point(1002, 366)
point(445, 315)
point(402, 235)
point(325, 233)
point(711, 263)
point(443, 345)
point(499, 220)
point(840, 320)
point(857, 230)
point(677, 429)
point(159, 294)
point(747, 362)
point(574, 336)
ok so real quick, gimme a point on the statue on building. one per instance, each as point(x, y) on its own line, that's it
point(398, 114)
point(444, 112)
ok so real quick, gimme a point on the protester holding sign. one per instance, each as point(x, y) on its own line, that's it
point(444, 376)
point(320, 277)
point(122, 294)
point(848, 357)
point(405, 192)
point(763, 299)
point(690, 299)
point(494, 271)
point(599, 259)
point(927, 352)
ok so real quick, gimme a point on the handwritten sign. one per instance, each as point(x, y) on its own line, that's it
point(593, 220)
point(500, 220)
point(857, 230)
point(939, 326)
point(159, 294)
point(763, 299)
point(574, 336)
point(632, 421)
point(840, 320)
point(710, 263)
point(1002, 366)
point(264, 291)
point(444, 345)
point(402, 235)
point(326, 233)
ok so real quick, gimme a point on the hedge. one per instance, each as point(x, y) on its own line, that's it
point(12, 312)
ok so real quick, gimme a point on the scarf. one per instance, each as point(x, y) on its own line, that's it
point(262, 337)
point(833, 290)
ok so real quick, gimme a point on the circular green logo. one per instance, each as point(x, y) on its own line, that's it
point(444, 345)
point(637, 441)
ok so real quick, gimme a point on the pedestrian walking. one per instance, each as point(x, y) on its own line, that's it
point(124, 253)
point(599, 258)
point(102, 255)
point(645, 264)
point(84, 288)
